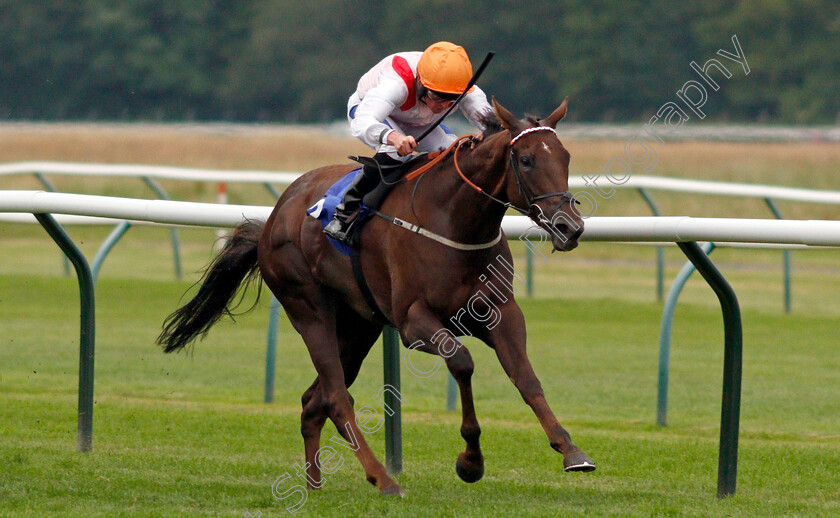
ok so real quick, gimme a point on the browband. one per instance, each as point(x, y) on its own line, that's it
point(531, 130)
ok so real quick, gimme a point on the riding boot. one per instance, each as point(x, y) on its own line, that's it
point(348, 209)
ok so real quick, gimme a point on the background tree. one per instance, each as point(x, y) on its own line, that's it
point(279, 60)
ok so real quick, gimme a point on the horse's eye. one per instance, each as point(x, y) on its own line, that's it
point(526, 161)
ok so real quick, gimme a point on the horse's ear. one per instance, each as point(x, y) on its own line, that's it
point(508, 120)
point(557, 115)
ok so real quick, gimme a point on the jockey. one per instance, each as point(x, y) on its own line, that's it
point(395, 102)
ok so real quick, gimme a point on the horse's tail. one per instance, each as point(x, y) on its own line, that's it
point(235, 263)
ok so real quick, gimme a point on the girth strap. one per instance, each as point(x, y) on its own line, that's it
point(356, 263)
point(417, 229)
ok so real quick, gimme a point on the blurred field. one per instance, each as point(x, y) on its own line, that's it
point(188, 435)
point(812, 165)
point(593, 270)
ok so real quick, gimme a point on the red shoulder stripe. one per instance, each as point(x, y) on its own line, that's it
point(403, 69)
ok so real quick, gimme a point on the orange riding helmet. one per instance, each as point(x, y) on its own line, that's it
point(445, 67)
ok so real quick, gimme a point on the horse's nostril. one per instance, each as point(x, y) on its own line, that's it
point(563, 229)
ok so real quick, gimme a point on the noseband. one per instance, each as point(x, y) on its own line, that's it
point(524, 190)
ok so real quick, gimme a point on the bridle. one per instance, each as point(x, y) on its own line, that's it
point(524, 189)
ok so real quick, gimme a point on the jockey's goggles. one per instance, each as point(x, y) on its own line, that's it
point(440, 97)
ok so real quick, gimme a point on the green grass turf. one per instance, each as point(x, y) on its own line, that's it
point(188, 435)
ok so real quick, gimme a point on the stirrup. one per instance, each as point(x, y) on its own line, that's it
point(336, 229)
point(341, 231)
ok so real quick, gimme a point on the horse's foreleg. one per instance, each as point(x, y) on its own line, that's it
point(423, 332)
point(508, 340)
point(470, 464)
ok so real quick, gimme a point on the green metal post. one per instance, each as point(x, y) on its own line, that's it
point(84, 432)
point(660, 252)
point(786, 266)
point(660, 272)
point(785, 256)
point(665, 336)
point(112, 239)
point(451, 393)
point(732, 367)
point(271, 349)
point(393, 422)
point(51, 188)
point(46, 183)
point(529, 258)
point(273, 190)
point(176, 249)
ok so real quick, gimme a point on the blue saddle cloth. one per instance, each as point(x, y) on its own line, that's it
point(325, 208)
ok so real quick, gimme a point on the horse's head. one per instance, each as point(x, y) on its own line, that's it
point(538, 175)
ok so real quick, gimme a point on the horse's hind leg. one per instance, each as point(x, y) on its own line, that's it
point(312, 419)
point(355, 340)
point(312, 311)
point(424, 332)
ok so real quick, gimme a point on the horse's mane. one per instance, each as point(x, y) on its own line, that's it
point(491, 123)
point(534, 121)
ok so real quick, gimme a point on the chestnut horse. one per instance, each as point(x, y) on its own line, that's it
point(421, 285)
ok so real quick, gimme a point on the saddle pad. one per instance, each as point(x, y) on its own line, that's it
point(325, 208)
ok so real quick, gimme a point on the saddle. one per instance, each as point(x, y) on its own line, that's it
point(391, 175)
point(324, 209)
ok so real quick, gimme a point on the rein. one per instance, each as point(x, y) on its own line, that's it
point(520, 183)
point(417, 229)
point(436, 157)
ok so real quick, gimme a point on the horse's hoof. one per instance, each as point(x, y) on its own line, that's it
point(393, 489)
point(578, 461)
point(470, 470)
